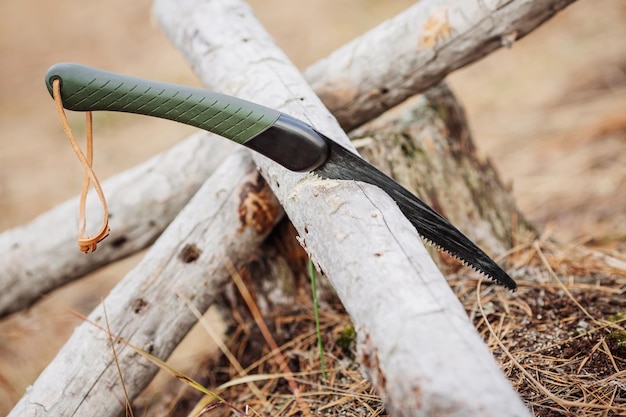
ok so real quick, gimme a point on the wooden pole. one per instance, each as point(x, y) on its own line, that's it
point(33, 266)
point(418, 48)
point(227, 219)
point(416, 343)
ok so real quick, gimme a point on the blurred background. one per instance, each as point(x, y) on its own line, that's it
point(550, 113)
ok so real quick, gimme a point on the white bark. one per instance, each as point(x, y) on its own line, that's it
point(43, 255)
point(417, 49)
point(351, 83)
point(416, 343)
point(148, 307)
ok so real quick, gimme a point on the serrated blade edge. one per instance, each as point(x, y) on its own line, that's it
point(342, 164)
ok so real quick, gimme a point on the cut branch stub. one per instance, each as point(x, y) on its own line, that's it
point(425, 145)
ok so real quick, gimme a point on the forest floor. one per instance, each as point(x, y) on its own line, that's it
point(550, 113)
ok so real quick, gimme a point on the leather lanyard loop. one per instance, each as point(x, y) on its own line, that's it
point(86, 243)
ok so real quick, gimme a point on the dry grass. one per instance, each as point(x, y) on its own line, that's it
point(517, 101)
point(560, 339)
point(263, 386)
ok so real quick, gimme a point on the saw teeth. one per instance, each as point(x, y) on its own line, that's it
point(465, 263)
point(344, 165)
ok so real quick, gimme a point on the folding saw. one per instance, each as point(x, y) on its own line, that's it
point(286, 140)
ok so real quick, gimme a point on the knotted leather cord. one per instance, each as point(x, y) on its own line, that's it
point(86, 243)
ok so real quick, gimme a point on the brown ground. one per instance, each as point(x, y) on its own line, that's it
point(550, 112)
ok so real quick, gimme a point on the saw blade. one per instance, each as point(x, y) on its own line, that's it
point(342, 164)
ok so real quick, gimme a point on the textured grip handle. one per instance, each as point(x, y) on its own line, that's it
point(87, 89)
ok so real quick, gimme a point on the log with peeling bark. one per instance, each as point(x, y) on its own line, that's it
point(416, 343)
point(35, 266)
point(417, 49)
point(225, 221)
point(42, 255)
point(325, 213)
point(426, 146)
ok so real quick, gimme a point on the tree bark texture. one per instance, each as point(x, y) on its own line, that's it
point(418, 48)
point(374, 351)
point(42, 255)
point(224, 222)
point(416, 343)
point(390, 70)
point(426, 146)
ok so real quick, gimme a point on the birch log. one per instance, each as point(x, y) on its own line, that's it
point(418, 48)
point(424, 144)
point(417, 345)
point(32, 266)
point(43, 255)
point(226, 220)
point(142, 375)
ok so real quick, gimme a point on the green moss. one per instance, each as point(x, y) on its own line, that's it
point(613, 318)
point(347, 338)
point(619, 337)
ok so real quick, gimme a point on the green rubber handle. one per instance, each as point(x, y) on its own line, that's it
point(87, 89)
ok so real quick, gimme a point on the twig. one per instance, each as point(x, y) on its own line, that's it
point(224, 349)
point(128, 406)
point(267, 335)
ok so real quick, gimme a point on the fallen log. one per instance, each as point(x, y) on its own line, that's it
point(33, 267)
point(426, 146)
point(416, 343)
point(42, 255)
point(225, 221)
point(416, 49)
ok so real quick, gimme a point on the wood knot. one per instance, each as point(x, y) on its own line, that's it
point(138, 305)
point(189, 253)
point(258, 207)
